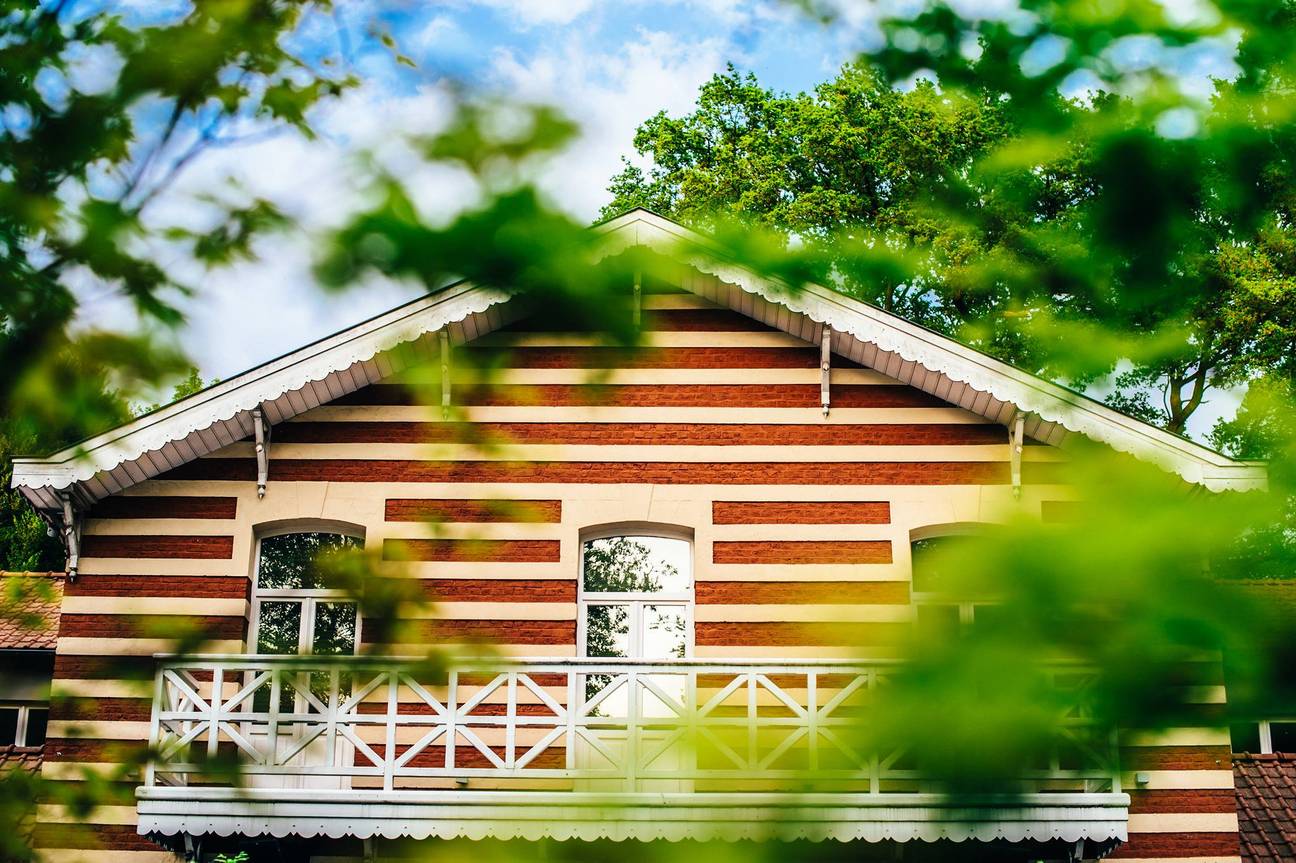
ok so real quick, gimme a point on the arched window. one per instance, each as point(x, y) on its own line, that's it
point(636, 595)
point(294, 612)
point(941, 602)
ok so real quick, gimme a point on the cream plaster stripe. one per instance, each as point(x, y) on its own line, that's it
point(678, 301)
point(159, 527)
point(496, 611)
point(738, 653)
point(650, 339)
point(795, 532)
point(100, 855)
point(75, 771)
point(154, 605)
point(55, 813)
point(162, 565)
point(485, 570)
point(80, 646)
point(643, 376)
point(663, 414)
point(637, 453)
point(90, 729)
point(511, 651)
point(1188, 822)
point(804, 613)
point(1179, 780)
point(1179, 737)
point(1181, 860)
point(72, 687)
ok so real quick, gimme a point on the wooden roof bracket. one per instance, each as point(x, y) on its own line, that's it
point(261, 427)
point(1016, 443)
point(444, 338)
point(70, 530)
point(825, 368)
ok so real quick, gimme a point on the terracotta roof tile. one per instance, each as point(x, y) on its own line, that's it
point(30, 603)
point(1266, 801)
point(27, 758)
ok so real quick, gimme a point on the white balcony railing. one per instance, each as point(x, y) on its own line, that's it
point(393, 732)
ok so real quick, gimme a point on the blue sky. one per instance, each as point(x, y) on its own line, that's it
point(610, 64)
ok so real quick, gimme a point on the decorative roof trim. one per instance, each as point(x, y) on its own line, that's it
point(345, 361)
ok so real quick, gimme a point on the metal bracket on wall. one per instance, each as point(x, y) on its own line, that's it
point(444, 338)
point(70, 530)
point(638, 298)
point(1016, 441)
point(825, 368)
point(261, 428)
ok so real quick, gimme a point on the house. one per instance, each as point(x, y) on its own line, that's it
point(768, 461)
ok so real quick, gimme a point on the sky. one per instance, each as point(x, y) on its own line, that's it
point(610, 64)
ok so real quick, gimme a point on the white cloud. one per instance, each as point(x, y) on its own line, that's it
point(532, 12)
point(609, 93)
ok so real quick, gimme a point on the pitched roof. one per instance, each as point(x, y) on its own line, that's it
point(1266, 805)
point(384, 345)
point(32, 622)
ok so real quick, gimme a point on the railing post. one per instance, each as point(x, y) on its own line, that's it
point(812, 719)
point(632, 729)
point(389, 754)
point(575, 702)
point(213, 714)
point(452, 716)
point(155, 726)
point(510, 722)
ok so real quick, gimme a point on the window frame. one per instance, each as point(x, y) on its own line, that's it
point(308, 597)
point(21, 726)
point(966, 608)
point(637, 600)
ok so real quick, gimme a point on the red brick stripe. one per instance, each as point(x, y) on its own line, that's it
point(656, 434)
point(661, 473)
point(1176, 758)
point(87, 750)
point(781, 634)
point(499, 590)
point(701, 320)
point(800, 512)
point(192, 586)
point(1059, 511)
point(187, 547)
point(76, 667)
point(656, 395)
point(802, 551)
point(91, 837)
point(1178, 845)
point(109, 709)
point(473, 550)
point(501, 631)
point(149, 626)
point(1175, 800)
point(801, 592)
point(515, 511)
point(165, 507)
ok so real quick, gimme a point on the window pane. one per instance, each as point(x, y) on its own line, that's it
point(637, 564)
point(938, 622)
point(8, 725)
point(1245, 737)
point(335, 628)
point(289, 561)
point(1283, 736)
point(37, 720)
point(935, 561)
point(665, 632)
point(607, 630)
point(279, 630)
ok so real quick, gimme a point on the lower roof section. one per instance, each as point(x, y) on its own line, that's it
point(673, 816)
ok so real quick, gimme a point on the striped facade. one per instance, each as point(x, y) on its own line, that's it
point(801, 527)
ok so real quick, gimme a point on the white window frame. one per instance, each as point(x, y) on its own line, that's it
point(1266, 733)
point(308, 597)
point(637, 600)
point(24, 709)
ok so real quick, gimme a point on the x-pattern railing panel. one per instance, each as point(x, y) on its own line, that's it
point(638, 721)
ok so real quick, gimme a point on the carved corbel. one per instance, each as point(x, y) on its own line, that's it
point(825, 368)
point(262, 430)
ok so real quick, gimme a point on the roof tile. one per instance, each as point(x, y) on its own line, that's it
point(1266, 801)
point(30, 604)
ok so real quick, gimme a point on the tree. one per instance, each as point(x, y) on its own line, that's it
point(996, 209)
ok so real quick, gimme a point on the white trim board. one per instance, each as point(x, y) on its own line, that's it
point(380, 347)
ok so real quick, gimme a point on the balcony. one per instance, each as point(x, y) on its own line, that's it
point(577, 748)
